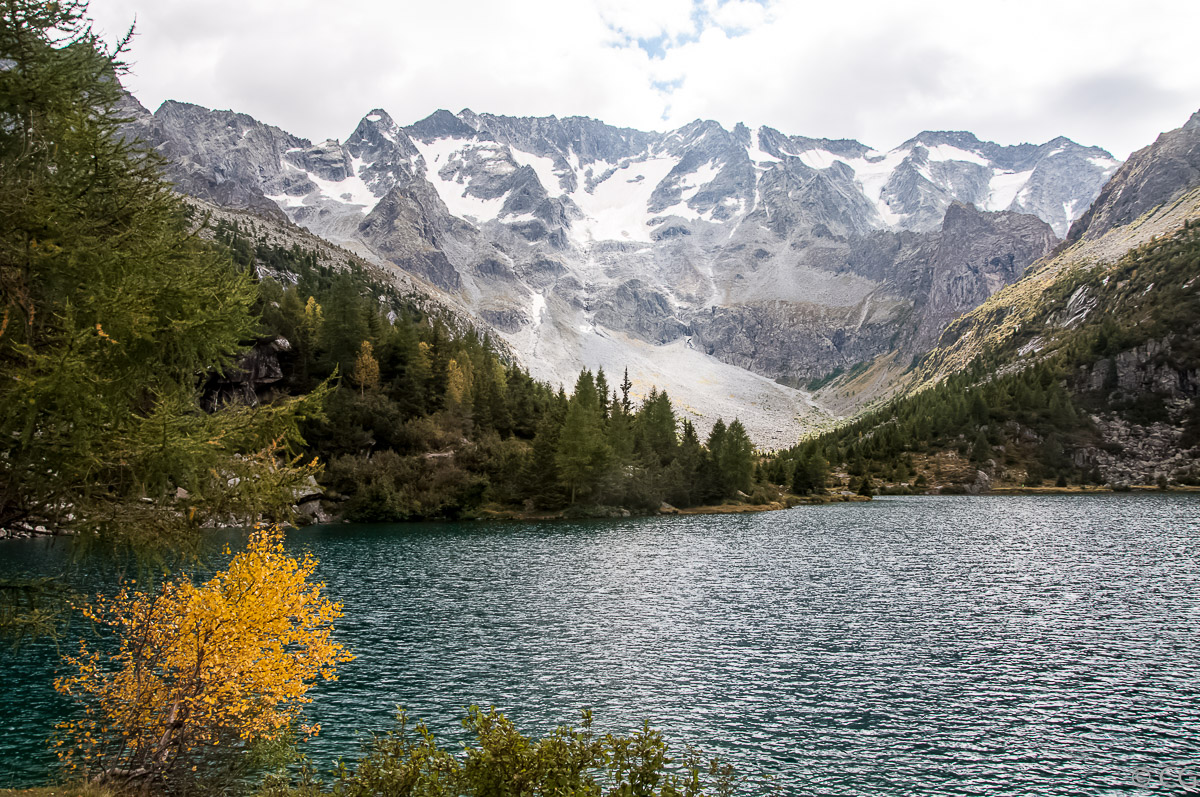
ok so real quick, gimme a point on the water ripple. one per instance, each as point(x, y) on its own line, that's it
point(1041, 645)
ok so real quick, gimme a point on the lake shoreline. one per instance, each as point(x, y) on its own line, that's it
point(1091, 490)
point(519, 515)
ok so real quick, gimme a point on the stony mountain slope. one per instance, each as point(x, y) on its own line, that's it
point(699, 250)
point(1153, 176)
point(1154, 195)
point(1113, 317)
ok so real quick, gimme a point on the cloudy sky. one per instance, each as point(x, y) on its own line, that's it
point(1100, 72)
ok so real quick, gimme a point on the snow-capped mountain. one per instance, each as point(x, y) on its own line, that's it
point(624, 185)
point(693, 253)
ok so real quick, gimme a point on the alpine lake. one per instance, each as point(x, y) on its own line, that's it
point(1018, 645)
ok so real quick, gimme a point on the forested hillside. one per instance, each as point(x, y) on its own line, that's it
point(431, 422)
point(1096, 383)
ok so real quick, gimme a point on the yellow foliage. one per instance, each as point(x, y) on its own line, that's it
point(313, 318)
point(459, 377)
point(366, 368)
point(228, 661)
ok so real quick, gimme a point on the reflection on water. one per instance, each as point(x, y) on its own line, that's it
point(1021, 645)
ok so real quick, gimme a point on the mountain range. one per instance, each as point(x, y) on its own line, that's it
point(730, 267)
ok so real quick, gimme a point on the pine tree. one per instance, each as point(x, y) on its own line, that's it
point(406, 367)
point(736, 461)
point(801, 477)
point(109, 309)
point(711, 480)
point(655, 430)
point(582, 451)
point(690, 461)
point(620, 432)
point(602, 392)
point(542, 483)
point(344, 326)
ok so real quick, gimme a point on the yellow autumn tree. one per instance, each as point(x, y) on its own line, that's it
point(366, 368)
point(314, 317)
point(200, 668)
point(459, 376)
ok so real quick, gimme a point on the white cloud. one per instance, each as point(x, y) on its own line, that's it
point(1012, 71)
point(738, 16)
point(647, 19)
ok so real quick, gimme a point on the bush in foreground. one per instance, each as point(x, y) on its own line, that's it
point(201, 672)
point(499, 761)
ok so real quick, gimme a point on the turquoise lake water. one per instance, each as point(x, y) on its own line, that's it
point(1043, 645)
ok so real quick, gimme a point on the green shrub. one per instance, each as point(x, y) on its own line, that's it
point(499, 761)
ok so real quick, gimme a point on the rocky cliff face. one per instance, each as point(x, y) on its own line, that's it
point(1141, 450)
point(1153, 175)
point(583, 244)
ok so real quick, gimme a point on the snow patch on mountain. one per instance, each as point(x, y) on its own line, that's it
point(1003, 188)
point(351, 190)
point(542, 166)
point(872, 175)
point(947, 152)
point(537, 309)
point(818, 158)
point(443, 158)
point(756, 152)
point(616, 209)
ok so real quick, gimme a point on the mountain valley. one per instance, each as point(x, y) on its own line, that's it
point(730, 267)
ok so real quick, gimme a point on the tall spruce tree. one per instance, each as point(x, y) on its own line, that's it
point(112, 314)
point(736, 461)
point(582, 450)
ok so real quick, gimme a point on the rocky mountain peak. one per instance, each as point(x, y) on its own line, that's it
point(1152, 176)
point(379, 140)
point(378, 117)
point(954, 138)
point(742, 134)
point(440, 124)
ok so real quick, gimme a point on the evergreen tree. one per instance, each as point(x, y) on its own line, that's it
point(801, 481)
point(542, 483)
point(981, 451)
point(344, 325)
point(602, 392)
point(818, 471)
point(711, 479)
point(582, 450)
point(437, 349)
point(404, 367)
point(690, 461)
point(736, 460)
point(655, 430)
point(109, 311)
point(620, 432)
